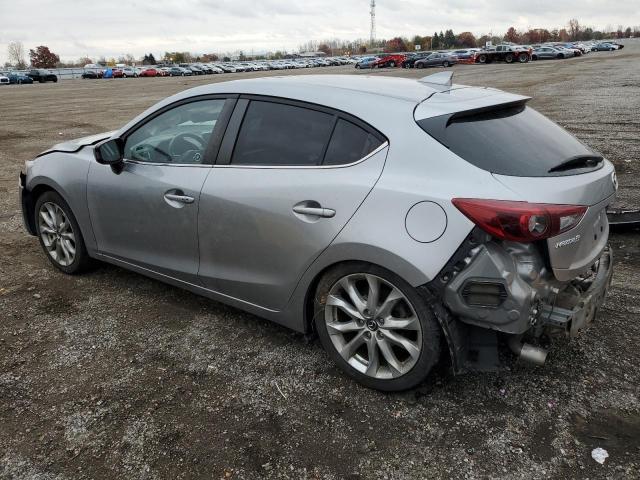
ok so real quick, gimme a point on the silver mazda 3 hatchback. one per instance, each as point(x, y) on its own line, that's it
point(402, 221)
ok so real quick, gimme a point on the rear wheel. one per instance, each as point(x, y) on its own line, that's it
point(376, 327)
point(482, 58)
point(523, 58)
point(508, 58)
point(392, 64)
point(445, 64)
point(419, 65)
point(60, 235)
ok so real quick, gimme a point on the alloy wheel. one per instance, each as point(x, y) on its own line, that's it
point(57, 234)
point(373, 326)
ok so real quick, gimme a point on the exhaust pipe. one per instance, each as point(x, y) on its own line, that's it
point(527, 352)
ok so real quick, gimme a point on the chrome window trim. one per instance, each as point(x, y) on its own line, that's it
point(305, 167)
point(167, 164)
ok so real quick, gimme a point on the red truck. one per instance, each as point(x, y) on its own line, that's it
point(504, 53)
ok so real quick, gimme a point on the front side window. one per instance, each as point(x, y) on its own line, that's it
point(179, 135)
point(279, 134)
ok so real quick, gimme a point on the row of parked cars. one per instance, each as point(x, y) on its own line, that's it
point(508, 53)
point(34, 75)
point(190, 69)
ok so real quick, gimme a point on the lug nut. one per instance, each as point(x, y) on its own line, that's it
point(367, 335)
point(380, 321)
point(379, 335)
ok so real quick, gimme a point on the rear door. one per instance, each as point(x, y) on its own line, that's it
point(288, 177)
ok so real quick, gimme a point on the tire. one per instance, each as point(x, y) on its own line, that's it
point(65, 249)
point(523, 58)
point(534, 57)
point(412, 349)
point(445, 64)
point(392, 64)
point(482, 59)
point(357, 66)
point(419, 65)
point(508, 58)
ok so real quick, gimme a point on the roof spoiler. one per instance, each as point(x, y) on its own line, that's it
point(441, 79)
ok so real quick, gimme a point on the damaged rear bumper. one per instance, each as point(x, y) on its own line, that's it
point(574, 310)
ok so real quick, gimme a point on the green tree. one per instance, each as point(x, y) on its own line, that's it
point(449, 39)
point(435, 41)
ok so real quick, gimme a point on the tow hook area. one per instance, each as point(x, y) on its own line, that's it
point(527, 352)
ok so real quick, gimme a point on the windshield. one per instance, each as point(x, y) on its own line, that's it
point(511, 140)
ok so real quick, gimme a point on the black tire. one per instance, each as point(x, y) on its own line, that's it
point(431, 332)
point(523, 58)
point(392, 64)
point(81, 262)
point(357, 66)
point(482, 58)
point(445, 64)
point(419, 65)
point(508, 58)
point(534, 57)
point(560, 55)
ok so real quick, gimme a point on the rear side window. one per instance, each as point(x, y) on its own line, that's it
point(279, 134)
point(349, 143)
point(514, 140)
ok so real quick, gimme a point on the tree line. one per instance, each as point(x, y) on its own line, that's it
point(43, 57)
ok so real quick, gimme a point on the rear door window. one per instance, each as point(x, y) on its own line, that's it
point(279, 134)
point(512, 140)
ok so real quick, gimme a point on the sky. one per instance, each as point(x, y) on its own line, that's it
point(75, 28)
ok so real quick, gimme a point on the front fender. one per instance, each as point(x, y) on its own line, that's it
point(66, 174)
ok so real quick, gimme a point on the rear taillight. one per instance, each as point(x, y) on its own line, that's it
point(520, 221)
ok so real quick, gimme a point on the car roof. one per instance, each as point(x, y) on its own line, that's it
point(321, 87)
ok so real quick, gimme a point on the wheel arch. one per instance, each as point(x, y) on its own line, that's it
point(31, 197)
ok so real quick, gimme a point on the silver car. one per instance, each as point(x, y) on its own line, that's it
point(401, 221)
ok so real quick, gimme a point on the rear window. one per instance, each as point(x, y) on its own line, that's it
point(514, 140)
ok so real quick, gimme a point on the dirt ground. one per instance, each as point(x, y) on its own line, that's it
point(113, 375)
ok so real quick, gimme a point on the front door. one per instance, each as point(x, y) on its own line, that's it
point(147, 213)
point(294, 178)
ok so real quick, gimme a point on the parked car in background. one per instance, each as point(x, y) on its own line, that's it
point(148, 72)
point(117, 73)
point(129, 72)
point(604, 46)
point(180, 72)
point(18, 78)
point(547, 53)
point(437, 60)
point(41, 75)
point(466, 54)
point(412, 58)
point(4, 80)
point(92, 74)
point(392, 61)
point(366, 62)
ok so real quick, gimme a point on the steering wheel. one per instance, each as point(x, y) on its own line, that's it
point(190, 141)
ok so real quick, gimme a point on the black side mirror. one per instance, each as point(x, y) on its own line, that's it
point(110, 152)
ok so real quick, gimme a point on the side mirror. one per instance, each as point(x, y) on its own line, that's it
point(109, 152)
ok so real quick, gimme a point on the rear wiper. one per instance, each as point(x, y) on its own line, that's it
point(579, 161)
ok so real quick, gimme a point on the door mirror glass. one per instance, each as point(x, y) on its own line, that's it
point(109, 152)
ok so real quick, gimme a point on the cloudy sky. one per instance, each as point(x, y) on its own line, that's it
point(74, 28)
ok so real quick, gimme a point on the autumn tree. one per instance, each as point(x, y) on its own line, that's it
point(466, 39)
point(42, 57)
point(212, 57)
point(396, 44)
point(324, 48)
point(362, 49)
point(15, 52)
point(512, 35)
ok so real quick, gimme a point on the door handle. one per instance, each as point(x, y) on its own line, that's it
point(314, 211)
point(179, 198)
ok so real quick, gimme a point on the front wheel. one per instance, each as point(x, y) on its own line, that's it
point(376, 327)
point(482, 59)
point(523, 58)
point(445, 64)
point(60, 235)
point(392, 64)
point(508, 58)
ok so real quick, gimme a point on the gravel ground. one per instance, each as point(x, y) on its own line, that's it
point(111, 374)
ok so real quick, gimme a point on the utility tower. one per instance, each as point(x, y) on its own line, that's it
point(372, 12)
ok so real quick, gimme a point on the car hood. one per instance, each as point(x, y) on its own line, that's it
point(71, 146)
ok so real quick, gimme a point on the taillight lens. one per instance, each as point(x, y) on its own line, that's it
point(520, 221)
